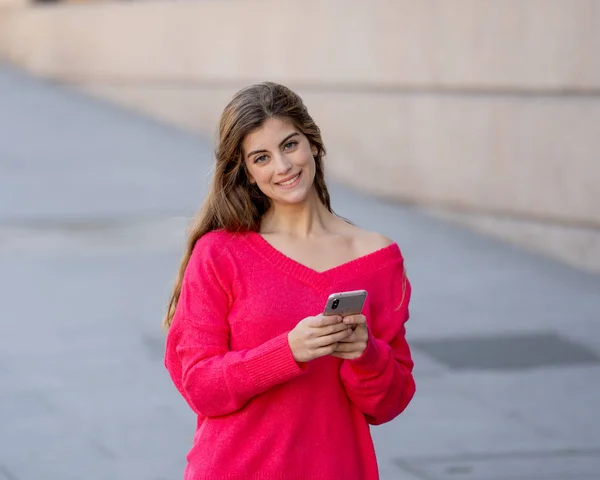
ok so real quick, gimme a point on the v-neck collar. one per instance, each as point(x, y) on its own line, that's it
point(350, 269)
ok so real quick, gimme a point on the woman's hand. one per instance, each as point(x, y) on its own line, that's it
point(354, 345)
point(317, 336)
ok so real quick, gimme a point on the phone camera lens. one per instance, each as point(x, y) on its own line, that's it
point(335, 303)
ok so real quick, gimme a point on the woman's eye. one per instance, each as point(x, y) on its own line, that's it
point(289, 145)
point(260, 159)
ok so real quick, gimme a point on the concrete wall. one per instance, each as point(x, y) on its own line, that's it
point(486, 112)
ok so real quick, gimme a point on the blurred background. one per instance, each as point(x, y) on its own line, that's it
point(466, 130)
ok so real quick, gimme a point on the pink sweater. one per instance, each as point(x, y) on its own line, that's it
point(261, 415)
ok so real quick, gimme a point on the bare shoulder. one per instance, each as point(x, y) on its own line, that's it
point(372, 241)
point(365, 241)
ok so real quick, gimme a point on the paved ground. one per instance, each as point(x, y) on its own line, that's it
point(93, 206)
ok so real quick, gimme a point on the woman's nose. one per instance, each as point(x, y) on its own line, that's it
point(282, 165)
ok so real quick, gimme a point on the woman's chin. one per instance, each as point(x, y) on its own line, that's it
point(295, 197)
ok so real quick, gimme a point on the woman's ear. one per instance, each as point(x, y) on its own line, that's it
point(314, 150)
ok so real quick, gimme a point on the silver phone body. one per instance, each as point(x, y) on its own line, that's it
point(345, 303)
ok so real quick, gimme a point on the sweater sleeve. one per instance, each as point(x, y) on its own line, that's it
point(380, 381)
point(214, 380)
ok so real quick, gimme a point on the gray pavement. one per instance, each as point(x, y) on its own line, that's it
point(94, 202)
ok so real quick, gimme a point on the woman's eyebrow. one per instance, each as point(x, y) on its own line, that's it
point(254, 152)
point(287, 138)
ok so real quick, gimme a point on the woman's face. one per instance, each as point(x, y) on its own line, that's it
point(280, 161)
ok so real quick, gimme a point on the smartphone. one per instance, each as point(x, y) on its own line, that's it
point(345, 303)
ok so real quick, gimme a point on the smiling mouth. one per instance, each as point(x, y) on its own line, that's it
point(291, 182)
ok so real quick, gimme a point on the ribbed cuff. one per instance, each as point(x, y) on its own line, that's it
point(273, 363)
point(372, 360)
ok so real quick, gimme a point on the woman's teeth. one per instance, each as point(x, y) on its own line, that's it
point(289, 182)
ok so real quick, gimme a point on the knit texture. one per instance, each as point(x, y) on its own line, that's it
point(262, 415)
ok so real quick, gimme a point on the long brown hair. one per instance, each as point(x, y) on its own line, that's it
point(233, 203)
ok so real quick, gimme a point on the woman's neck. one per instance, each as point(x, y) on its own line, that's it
point(303, 220)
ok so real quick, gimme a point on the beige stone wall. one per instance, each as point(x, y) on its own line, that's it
point(488, 110)
point(13, 3)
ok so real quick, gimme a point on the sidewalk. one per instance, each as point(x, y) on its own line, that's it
point(94, 202)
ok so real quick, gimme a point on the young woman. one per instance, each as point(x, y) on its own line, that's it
point(282, 391)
